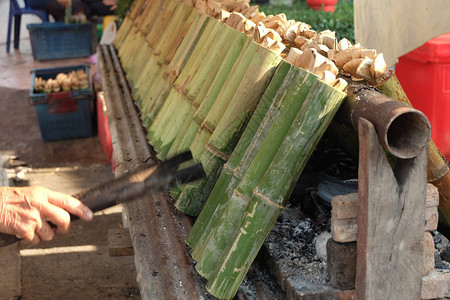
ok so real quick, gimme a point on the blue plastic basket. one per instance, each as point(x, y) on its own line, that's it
point(51, 73)
point(58, 40)
point(63, 115)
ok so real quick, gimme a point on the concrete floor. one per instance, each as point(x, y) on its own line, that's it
point(75, 266)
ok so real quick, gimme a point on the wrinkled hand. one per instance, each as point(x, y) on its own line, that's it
point(65, 3)
point(112, 3)
point(24, 212)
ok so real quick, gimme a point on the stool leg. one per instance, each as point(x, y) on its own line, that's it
point(8, 37)
point(17, 20)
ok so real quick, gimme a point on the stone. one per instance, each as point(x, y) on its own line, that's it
point(428, 253)
point(321, 245)
point(341, 263)
point(345, 206)
point(436, 285)
point(344, 231)
point(432, 199)
point(431, 218)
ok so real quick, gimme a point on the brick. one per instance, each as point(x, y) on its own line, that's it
point(345, 230)
point(345, 206)
point(341, 264)
point(432, 196)
point(428, 253)
point(431, 218)
point(436, 284)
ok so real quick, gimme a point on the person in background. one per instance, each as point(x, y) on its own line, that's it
point(26, 211)
point(57, 8)
point(90, 8)
point(100, 8)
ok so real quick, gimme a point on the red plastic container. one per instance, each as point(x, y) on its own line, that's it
point(103, 127)
point(326, 5)
point(425, 76)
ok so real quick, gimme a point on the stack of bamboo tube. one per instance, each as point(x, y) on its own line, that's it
point(250, 95)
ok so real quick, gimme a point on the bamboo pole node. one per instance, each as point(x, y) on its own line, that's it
point(256, 193)
point(240, 195)
point(233, 171)
point(214, 151)
point(205, 126)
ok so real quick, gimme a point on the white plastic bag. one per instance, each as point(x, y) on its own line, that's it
point(109, 34)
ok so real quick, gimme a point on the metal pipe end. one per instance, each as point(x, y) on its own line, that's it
point(407, 133)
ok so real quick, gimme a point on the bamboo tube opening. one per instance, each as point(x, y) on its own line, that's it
point(408, 133)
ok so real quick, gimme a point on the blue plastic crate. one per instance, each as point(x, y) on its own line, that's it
point(63, 115)
point(66, 125)
point(58, 40)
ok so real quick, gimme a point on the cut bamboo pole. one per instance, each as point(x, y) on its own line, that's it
point(232, 45)
point(135, 45)
point(208, 94)
point(167, 31)
point(240, 94)
point(155, 69)
point(158, 90)
point(293, 93)
point(122, 32)
point(199, 45)
point(271, 193)
point(160, 16)
point(438, 169)
point(213, 207)
point(207, 64)
point(166, 114)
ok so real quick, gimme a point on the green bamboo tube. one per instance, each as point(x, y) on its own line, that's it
point(271, 193)
point(168, 106)
point(295, 91)
point(438, 172)
point(231, 43)
point(168, 30)
point(152, 65)
point(213, 207)
point(211, 110)
point(133, 45)
point(167, 113)
point(185, 137)
point(206, 63)
point(157, 91)
point(122, 32)
point(155, 10)
point(228, 129)
point(237, 99)
point(128, 48)
point(156, 66)
point(137, 8)
point(158, 18)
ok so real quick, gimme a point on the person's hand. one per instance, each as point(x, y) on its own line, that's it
point(112, 3)
point(65, 3)
point(24, 212)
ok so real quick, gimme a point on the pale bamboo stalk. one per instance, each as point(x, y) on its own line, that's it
point(167, 115)
point(158, 90)
point(201, 81)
